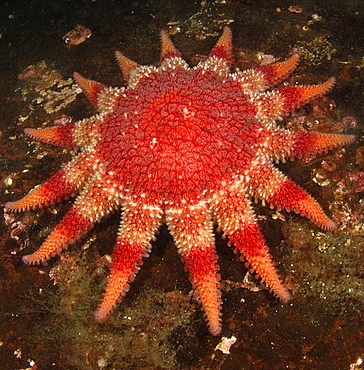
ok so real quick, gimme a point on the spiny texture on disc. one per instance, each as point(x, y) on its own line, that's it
point(187, 147)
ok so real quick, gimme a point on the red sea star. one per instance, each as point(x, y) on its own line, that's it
point(188, 147)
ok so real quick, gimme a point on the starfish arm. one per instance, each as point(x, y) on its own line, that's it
point(71, 227)
point(295, 96)
point(269, 184)
point(220, 57)
point(138, 226)
point(293, 197)
point(275, 104)
point(280, 144)
point(65, 183)
point(127, 66)
point(168, 50)
point(310, 142)
point(95, 201)
point(90, 88)
point(60, 135)
point(191, 228)
point(249, 241)
point(276, 72)
point(234, 215)
point(223, 49)
point(259, 79)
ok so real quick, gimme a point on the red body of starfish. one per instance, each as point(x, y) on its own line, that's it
point(188, 147)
